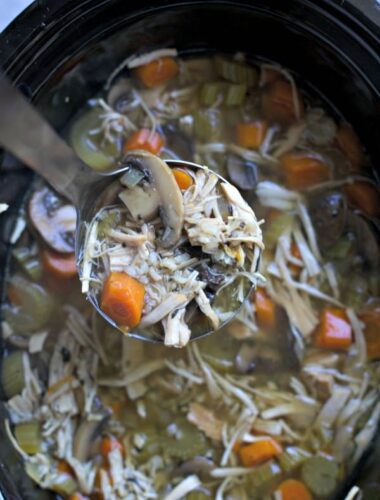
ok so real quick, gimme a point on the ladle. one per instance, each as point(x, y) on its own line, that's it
point(26, 134)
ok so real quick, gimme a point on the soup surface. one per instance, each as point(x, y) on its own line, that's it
point(279, 404)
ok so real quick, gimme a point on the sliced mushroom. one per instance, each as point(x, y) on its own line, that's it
point(121, 97)
point(161, 179)
point(328, 211)
point(241, 172)
point(54, 220)
point(211, 275)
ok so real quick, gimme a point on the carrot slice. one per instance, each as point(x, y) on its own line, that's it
point(108, 444)
point(278, 102)
point(265, 309)
point(291, 489)
point(123, 299)
point(65, 468)
point(184, 180)
point(157, 72)
point(77, 496)
point(371, 320)
point(295, 251)
point(62, 266)
point(365, 197)
point(144, 139)
point(349, 144)
point(67, 379)
point(334, 330)
point(258, 452)
point(303, 170)
point(251, 135)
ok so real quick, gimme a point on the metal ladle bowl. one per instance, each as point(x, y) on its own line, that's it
point(31, 139)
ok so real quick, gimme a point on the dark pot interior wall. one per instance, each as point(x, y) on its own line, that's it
point(331, 48)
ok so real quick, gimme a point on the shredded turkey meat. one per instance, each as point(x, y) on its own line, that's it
point(219, 230)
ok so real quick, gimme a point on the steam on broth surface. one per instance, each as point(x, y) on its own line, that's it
point(283, 401)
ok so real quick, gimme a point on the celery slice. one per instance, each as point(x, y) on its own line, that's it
point(320, 475)
point(292, 458)
point(91, 147)
point(29, 263)
point(197, 495)
point(235, 94)
point(264, 476)
point(210, 92)
point(12, 374)
point(208, 124)
point(28, 436)
point(34, 309)
point(276, 228)
point(236, 71)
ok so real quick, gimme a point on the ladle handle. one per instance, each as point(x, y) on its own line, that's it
point(26, 134)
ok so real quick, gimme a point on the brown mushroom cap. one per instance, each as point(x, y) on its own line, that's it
point(161, 179)
point(54, 220)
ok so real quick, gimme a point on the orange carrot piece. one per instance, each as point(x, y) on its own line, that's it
point(123, 299)
point(108, 444)
point(265, 309)
point(349, 144)
point(157, 72)
point(65, 468)
point(67, 379)
point(61, 266)
point(260, 451)
point(184, 180)
point(334, 330)
point(277, 102)
point(251, 135)
point(371, 320)
point(77, 496)
point(291, 489)
point(144, 139)
point(303, 170)
point(295, 251)
point(365, 197)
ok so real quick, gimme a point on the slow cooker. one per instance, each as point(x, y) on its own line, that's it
point(59, 53)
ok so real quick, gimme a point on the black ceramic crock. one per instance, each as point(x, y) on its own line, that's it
point(59, 52)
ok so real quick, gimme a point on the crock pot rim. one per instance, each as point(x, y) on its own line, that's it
point(18, 41)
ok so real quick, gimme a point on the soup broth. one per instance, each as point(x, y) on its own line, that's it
point(282, 402)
